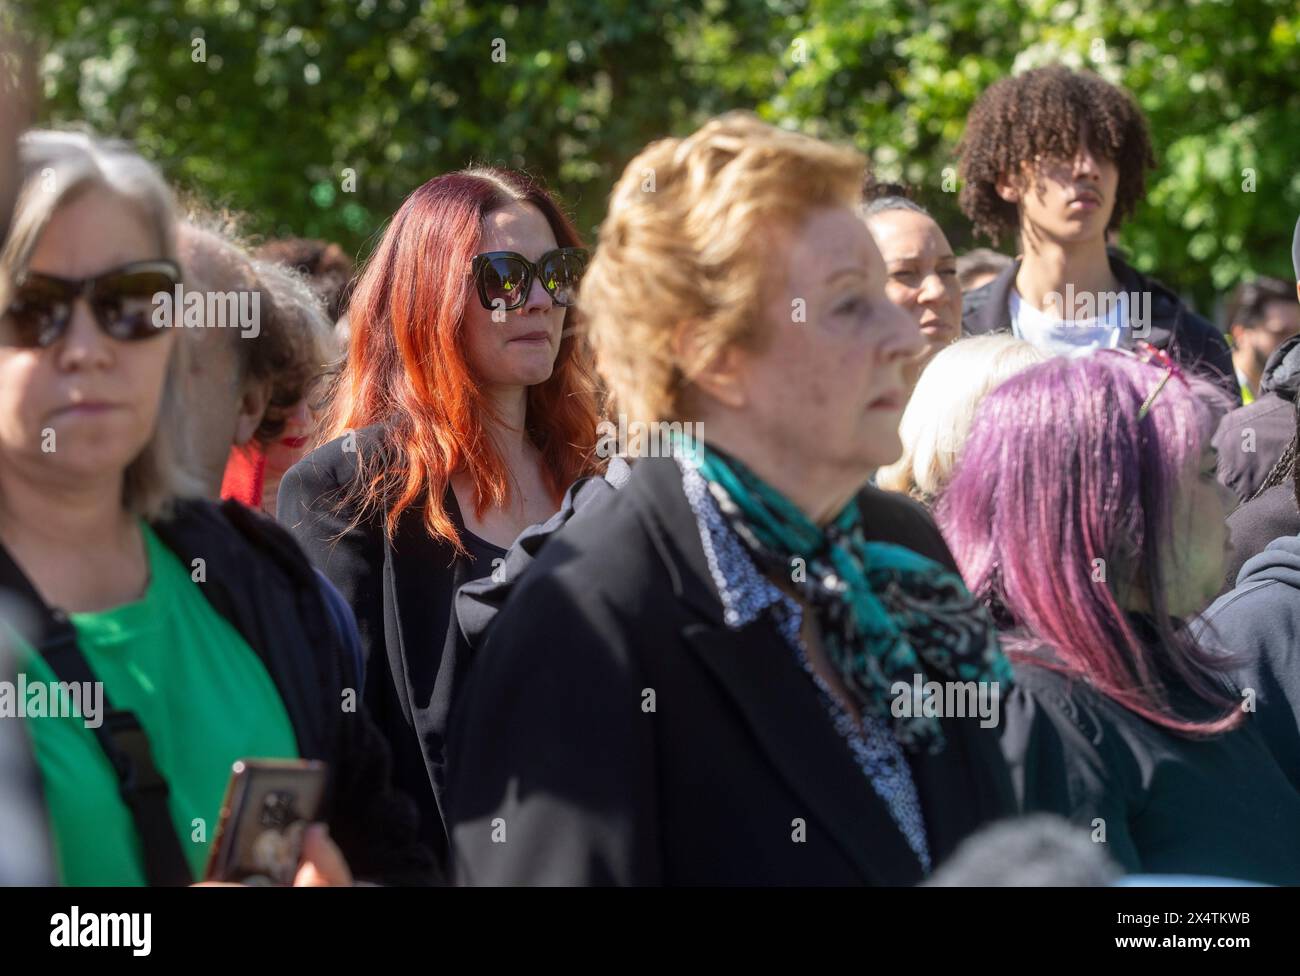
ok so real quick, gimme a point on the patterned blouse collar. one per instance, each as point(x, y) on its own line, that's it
point(744, 590)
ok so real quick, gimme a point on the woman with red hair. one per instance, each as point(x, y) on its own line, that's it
point(465, 409)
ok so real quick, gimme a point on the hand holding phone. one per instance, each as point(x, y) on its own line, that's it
point(268, 808)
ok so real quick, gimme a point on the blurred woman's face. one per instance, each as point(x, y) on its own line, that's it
point(518, 349)
point(1196, 564)
point(86, 406)
point(290, 447)
point(827, 389)
point(922, 274)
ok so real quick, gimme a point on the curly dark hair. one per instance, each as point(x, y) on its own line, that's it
point(325, 263)
point(1039, 115)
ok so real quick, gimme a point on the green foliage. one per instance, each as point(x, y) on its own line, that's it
point(293, 93)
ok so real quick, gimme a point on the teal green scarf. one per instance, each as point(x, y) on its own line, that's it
point(885, 614)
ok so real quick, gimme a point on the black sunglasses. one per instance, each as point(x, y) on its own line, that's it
point(504, 278)
point(121, 302)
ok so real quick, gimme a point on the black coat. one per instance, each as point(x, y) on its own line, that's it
point(1191, 340)
point(1169, 804)
point(401, 589)
point(556, 752)
point(478, 602)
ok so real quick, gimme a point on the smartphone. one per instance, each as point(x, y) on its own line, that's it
point(268, 806)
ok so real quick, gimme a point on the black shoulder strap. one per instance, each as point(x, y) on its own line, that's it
point(120, 735)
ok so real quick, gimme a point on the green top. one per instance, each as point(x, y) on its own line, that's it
point(203, 697)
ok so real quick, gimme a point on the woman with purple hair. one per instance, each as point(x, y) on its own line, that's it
point(1085, 513)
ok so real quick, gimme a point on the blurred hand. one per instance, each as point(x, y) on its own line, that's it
point(323, 864)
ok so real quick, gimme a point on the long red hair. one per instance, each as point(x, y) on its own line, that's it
point(406, 364)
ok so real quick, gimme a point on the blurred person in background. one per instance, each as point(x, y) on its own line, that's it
point(1261, 316)
point(328, 271)
point(247, 389)
point(922, 268)
point(228, 385)
point(298, 317)
point(938, 417)
point(1256, 624)
point(1258, 445)
point(1085, 512)
point(681, 690)
point(978, 267)
point(1059, 158)
point(324, 263)
point(465, 409)
point(328, 267)
point(204, 626)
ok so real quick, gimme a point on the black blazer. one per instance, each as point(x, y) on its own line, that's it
point(614, 730)
point(401, 590)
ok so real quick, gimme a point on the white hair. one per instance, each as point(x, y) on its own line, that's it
point(938, 417)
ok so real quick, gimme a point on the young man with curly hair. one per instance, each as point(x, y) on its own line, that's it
point(1059, 157)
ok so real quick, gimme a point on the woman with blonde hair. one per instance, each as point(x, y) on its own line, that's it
point(939, 414)
point(698, 679)
point(202, 628)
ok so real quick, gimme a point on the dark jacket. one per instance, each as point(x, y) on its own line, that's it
point(1191, 340)
point(1259, 622)
point(557, 751)
point(479, 602)
point(1251, 439)
point(401, 590)
point(1257, 523)
point(260, 581)
point(1167, 804)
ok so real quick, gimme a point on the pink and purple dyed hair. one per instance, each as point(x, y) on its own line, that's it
point(1059, 472)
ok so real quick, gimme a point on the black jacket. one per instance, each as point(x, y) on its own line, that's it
point(1251, 439)
point(1259, 622)
point(401, 590)
point(1188, 338)
point(259, 580)
point(479, 602)
point(561, 773)
point(1163, 803)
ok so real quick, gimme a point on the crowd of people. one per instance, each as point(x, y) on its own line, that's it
point(915, 568)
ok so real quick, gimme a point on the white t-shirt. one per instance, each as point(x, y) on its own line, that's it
point(1073, 338)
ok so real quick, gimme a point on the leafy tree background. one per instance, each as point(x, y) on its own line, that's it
point(294, 92)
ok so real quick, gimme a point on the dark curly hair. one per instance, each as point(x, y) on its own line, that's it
point(1039, 115)
point(325, 263)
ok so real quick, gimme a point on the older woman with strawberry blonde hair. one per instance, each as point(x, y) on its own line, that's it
point(696, 681)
